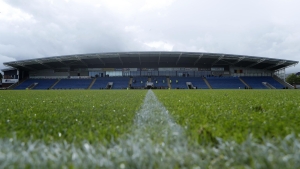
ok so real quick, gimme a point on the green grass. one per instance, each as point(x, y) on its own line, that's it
point(97, 129)
point(72, 116)
point(234, 114)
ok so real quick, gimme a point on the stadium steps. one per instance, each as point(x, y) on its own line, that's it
point(16, 84)
point(189, 85)
point(32, 86)
point(283, 82)
point(271, 86)
point(268, 85)
point(130, 82)
point(244, 83)
point(92, 83)
point(58, 80)
point(206, 82)
point(169, 85)
point(13, 86)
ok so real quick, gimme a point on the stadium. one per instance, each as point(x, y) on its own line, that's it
point(156, 70)
point(87, 111)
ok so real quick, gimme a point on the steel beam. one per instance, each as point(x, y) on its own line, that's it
point(200, 56)
point(159, 58)
point(240, 59)
point(140, 59)
point(220, 58)
point(58, 59)
point(277, 64)
point(256, 63)
point(120, 59)
point(40, 62)
point(101, 60)
point(81, 61)
point(178, 58)
point(22, 65)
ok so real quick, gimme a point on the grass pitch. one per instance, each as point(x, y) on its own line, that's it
point(160, 129)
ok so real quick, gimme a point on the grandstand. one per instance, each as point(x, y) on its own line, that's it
point(139, 70)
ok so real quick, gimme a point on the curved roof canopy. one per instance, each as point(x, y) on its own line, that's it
point(151, 59)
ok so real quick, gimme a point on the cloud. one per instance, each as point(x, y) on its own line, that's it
point(32, 29)
point(159, 45)
point(5, 59)
point(156, 4)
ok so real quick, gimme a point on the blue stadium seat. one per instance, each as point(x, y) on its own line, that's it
point(197, 82)
point(42, 84)
point(73, 84)
point(255, 82)
point(225, 83)
point(181, 82)
point(136, 82)
point(118, 82)
point(161, 81)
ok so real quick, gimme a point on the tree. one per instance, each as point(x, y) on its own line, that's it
point(293, 79)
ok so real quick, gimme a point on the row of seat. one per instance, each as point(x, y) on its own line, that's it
point(180, 82)
point(118, 82)
point(42, 83)
point(139, 82)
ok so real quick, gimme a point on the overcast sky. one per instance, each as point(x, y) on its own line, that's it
point(42, 28)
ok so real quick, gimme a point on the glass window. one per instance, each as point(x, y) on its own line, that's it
point(134, 73)
point(114, 73)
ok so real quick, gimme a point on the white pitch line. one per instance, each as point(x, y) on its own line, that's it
point(153, 120)
point(155, 141)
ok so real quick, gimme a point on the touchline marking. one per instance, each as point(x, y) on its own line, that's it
point(153, 118)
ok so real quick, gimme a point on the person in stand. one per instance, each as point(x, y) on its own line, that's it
point(170, 81)
point(176, 81)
